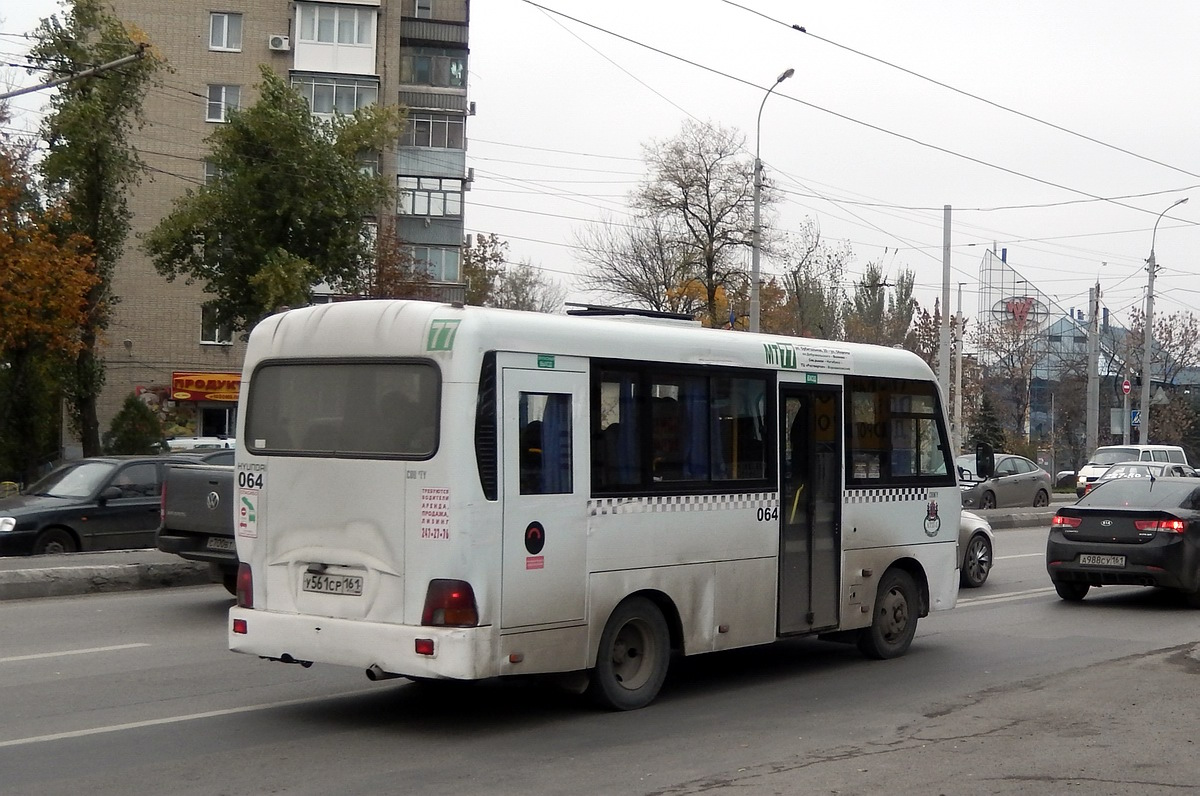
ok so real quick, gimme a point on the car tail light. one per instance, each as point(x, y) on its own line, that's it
point(245, 587)
point(1172, 525)
point(162, 505)
point(1065, 523)
point(450, 603)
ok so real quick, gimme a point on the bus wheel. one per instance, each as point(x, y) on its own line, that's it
point(635, 651)
point(895, 621)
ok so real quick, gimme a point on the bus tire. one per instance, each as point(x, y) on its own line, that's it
point(894, 622)
point(635, 651)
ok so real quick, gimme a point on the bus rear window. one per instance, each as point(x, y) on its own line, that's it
point(371, 409)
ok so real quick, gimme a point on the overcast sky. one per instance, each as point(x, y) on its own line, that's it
point(568, 93)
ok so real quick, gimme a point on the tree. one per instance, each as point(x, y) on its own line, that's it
point(394, 273)
point(987, 427)
point(813, 275)
point(482, 263)
point(1176, 349)
point(701, 189)
point(134, 430)
point(1009, 351)
point(875, 315)
point(44, 284)
point(90, 166)
point(639, 263)
point(523, 287)
point(286, 211)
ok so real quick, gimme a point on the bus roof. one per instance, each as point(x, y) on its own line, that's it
point(457, 336)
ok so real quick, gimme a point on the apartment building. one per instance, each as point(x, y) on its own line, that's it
point(163, 344)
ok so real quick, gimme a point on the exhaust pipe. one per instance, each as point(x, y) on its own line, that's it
point(375, 674)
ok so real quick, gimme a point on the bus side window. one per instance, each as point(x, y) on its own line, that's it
point(544, 440)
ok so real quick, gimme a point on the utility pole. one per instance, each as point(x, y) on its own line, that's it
point(1093, 368)
point(1148, 335)
point(95, 70)
point(944, 346)
point(959, 331)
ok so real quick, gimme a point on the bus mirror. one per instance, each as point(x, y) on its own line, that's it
point(985, 461)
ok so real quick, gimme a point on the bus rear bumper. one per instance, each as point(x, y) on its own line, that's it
point(458, 653)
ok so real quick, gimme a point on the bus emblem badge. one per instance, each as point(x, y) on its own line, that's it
point(933, 523)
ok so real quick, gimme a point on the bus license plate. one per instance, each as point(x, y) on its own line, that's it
point(1102, 561)
point(220, 543)
point(333, 584)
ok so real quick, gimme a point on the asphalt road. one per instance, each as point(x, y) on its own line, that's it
point(1014, 691)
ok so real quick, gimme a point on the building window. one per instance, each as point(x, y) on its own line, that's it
point(440, 262)
point(329, 24)
point(212, 330)
point(432, 66)
point(211, 172)
point(424, 9)
point(327, 95)
point(220, 100)
point(438, 130)
point(429, 196)
point(225, 32)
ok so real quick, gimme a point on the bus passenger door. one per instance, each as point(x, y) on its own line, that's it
point(545, 484)
point(809, 508)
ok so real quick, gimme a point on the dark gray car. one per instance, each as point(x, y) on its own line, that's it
point(98, 503)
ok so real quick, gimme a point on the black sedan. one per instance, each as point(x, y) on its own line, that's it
point(99, 503)
point(1132, 531)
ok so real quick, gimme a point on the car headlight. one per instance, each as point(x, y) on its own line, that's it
point(7, 524)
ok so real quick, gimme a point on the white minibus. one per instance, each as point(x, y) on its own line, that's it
point(446, 492)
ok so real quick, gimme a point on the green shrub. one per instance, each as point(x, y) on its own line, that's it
point(135, 430)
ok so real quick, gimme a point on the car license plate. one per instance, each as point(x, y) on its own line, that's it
point(221, 543)
point(333, 584)
point(1102, 561)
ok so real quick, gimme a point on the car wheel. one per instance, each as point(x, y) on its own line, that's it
point(895, 622)
point(1071, 591)
point(988, 500)
point(977, 562)
point(54, 541)
point(635, 651)
point(1042, 498)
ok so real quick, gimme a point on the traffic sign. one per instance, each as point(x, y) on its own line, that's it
point(1135, 417)
point(1126, 386)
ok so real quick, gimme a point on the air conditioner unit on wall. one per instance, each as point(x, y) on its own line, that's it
point(280, 43)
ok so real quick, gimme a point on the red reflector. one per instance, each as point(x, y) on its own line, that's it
point(1060, 521)
point(1146, 525)
point(239, 626)
point(245, 587)
point(450, 603)
point(424, 646)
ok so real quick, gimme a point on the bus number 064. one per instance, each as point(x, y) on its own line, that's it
point(768, 514)
point(250, 480)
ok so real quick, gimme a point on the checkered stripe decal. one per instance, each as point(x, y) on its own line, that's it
point(670, 503)
point(885, 495)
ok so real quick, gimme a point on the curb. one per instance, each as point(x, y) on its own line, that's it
point(24, 584)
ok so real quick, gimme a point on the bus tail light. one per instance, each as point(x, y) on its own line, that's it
point(245, 587)
point(450, 603)
point(1065, 523)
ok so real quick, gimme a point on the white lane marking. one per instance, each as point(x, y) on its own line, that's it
point(1022, 555)
point(1003, 598)
point(40, 655)
point(208, 714)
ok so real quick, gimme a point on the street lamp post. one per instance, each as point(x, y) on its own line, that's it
point(757, 233)
point(1148, 334)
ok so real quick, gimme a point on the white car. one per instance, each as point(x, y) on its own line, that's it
point(975, 540)
point(196, 443)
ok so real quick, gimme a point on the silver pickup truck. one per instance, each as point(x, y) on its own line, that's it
point(196, 520)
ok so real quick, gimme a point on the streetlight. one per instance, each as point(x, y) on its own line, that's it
point(754, 305)
point(1148, 334)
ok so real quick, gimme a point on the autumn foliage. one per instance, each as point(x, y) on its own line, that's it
point(43, 281)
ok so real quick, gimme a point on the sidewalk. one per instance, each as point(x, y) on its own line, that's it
point(25, 577)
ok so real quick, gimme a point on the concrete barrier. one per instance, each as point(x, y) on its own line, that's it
point(90, 573)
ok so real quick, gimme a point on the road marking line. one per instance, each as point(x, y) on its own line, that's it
point(1001, 598)
point(208, 714)
point(1022, 555)
point(70, 652)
